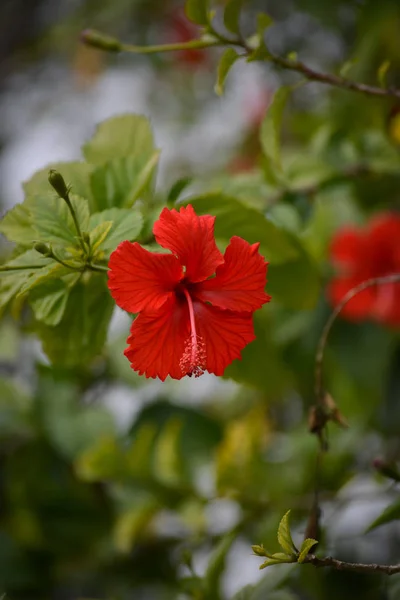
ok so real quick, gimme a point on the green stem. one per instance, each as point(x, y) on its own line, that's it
point(4, 268)
point(191, 45)
point(64, 264)
point(76, 223)
point(99, 268)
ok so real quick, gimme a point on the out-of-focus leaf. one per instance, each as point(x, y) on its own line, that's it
point(73, 429)
point(119, 137)
point(216, 566)
point(176, 189)
point(382, 73)
point(257, 41)
point(227, 60)
point(167, 462)
point(285, 537)
point(197, 11)
point(103, 460)
point(132, 522)
point(198, 437)
point(15, 405)
point(391, 513)
point(270, 134)
point(295, 284)
point(236, 218)
point(261, 365)
point(232, 15)
point(16, 225)
point(140, 453)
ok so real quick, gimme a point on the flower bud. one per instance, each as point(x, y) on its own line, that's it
point(42, 249)
point(259, 550)
point(96, 39)
point(56, 180)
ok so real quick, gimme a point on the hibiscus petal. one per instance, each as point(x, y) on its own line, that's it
point(157, 341)
point(239, 283)
point(224, 334)
point(347, 248)
point(142, 280)
point(191, 239)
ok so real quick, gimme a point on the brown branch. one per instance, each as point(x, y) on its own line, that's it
point(395, 278)
point(334, 80)
point(341, 565)
point(102, 41)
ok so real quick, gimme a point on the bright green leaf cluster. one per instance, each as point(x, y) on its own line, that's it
point(290, 553)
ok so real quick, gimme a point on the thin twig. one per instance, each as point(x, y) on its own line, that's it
point(394, 278)
point(341, 565)
point(330, 79)
point(104, 42)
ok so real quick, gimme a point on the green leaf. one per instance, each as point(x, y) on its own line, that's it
point(227, 60)
point(53, 221)
point(98, 234)
point(16, 225)
point(76, 175)
point(382, 73)
point(257, 41)
point(132, 522)
point(12, 281)
point(70, 426)
point(234, 217)
point(274, 561)
point(270, 133)
point(232, 15)
point(126, 225)
point(81, 334)
point(168, 466)
point(391, 513)
point(261, 365)
point(216, 566)
point(305, 549)
point(48, 296)
point(197, 11)
point(120, 137)
point(53, 270)
point(295, 284)
point(103, 460)
point(14, 411)
point(285, 537)
point(177, 189)
point(49, 302)
point(122, 181)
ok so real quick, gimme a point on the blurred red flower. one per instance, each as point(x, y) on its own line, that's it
point(361, 254)
point(189, 321)
point(180, 29)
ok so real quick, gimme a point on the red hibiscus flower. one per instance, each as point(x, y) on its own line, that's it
point(362, 254)
point(189, 320)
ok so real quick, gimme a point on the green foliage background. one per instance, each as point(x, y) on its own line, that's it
point(93, 505)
